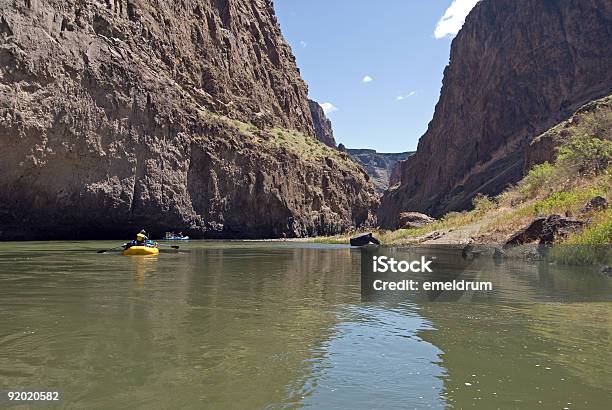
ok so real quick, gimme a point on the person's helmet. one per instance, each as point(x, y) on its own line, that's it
point(140, 236)
point(142, 231)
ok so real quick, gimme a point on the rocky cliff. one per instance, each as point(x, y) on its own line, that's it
point(122, 114)
point(593, 119)
point(322, 125)
point(382, 167)
point(516, 68)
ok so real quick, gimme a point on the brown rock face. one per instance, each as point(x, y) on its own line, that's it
point(594, 119)
point(322, 125)
point(516, 68)
point(380, 166)
point(545, 230)
point(117, 115)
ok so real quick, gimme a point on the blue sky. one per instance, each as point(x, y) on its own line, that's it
point(376, 66)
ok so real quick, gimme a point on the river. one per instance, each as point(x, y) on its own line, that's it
point(284, 325)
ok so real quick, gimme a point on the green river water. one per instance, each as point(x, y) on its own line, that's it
point(283, 325)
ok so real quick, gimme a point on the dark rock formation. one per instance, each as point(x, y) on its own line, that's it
point(597, 203)
point(322, 125)
point(118, 115)
point(364, 239)
point(557, 227)
point(545, 230)
point(499, 254)
point(380, 166)
point(413, 220)
point(516, 68)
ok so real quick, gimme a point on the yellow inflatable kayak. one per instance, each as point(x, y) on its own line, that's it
point(141, 250)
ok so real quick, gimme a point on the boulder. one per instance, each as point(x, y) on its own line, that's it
point(598, 203)
point(545, 230)
point(530, 233)
point(557, 227)
point(413, 220)
point(498, 253)
point(533, 255)
point(364, 239)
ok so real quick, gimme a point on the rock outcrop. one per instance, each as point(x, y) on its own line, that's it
point(594, 118)
point(597, 203)
point(516, 68)
point(364, 239)
point(545, 230)
point(380, 166)
point(413, 220)
point(322, 125)
point(118, 115)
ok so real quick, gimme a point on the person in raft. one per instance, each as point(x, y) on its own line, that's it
point(141, 240)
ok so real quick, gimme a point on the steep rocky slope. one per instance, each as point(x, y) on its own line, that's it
point(117, 115)
point(516, 68)
point(379, 165)
point(322, 125)
point(593, 119)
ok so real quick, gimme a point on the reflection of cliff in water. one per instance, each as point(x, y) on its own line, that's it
point(235, 324)
point(255, 319)
point(511, 345)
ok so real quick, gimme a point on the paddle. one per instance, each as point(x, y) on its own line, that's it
point(172, 246)
point(111, 249)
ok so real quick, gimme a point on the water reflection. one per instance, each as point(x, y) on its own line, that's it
point(142, 266)
point(520, 357)
point(267, 325)
point(376, 359)
point(215, 325)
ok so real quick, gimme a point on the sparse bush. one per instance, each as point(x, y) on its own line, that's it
point(592, 245)
point(587, 156)
point(598, 124)
point(536, 180)
point(565, 201)
point(483, 204)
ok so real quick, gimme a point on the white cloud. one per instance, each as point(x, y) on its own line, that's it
point(303, 43)
point(328, 107)
point(454, 17)
point(403, 97)
point(367, 79)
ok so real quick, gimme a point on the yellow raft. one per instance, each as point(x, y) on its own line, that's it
point(141, 250)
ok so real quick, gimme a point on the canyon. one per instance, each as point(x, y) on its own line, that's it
point(128, 114)
point(516, 68)
point(382, 167)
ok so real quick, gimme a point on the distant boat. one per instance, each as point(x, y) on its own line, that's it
point(170, 236)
